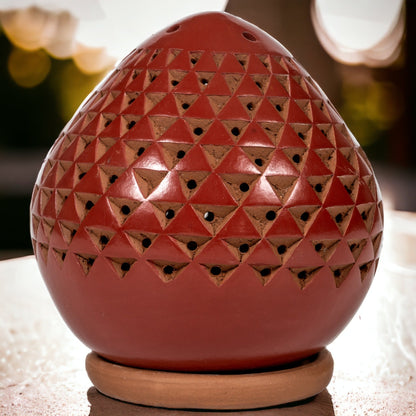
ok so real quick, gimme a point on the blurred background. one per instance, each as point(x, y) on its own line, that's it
point(53, 53)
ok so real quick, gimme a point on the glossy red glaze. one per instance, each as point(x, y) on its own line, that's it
point(206, 208)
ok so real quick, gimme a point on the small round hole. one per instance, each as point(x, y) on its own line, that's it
point(242, 63)
point(140, 151)
point(304, 216)
point(259, 84)
point(174, 82)
point(168, 270)
point(81, 175)
point(89, 205)
point(244, 248)
point(185, 106)
point(104, 240)
point(296, 158)
point(180, 154)
point(90, 261)
point(125, 209)
point(337, 273)
point(63, 255)
point(131, 101)
point(302, 275)
point(282, 249)
point(249, 36)
point(146, 242)
point(353, 246)
point(278, 107)
point(319, 246)
point(215, 270)
point(153, 78)
point(209, 216)
point(173, 28)
point(338, 218)
point(270, 215)
point(318, 187)
point(192, 245)
point(258, 162)
point(113, 178)
point(198, 131)
point(265, 272)
point(191, 184)
point(107, 123)
point(125, 267)
point(250, 106)
point(131, 124)
point(235, 131)
point(301, 136)
point(244, 187)
point(204, 81)
point(364, 216)
point(169, 214)
point(194, 61)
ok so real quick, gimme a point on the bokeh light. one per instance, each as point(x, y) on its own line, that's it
point(28, 68)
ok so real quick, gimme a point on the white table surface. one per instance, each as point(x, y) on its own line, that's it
point(42, 363)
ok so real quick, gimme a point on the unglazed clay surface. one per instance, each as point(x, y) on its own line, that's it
point(206, 208)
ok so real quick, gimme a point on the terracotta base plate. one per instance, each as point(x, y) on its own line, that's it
point(211, 391)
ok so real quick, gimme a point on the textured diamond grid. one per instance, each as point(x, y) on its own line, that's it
point(218, 159)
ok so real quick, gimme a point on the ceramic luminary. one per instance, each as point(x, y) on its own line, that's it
point(206, 209)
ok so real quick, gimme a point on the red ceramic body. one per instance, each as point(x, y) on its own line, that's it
point(206, 208)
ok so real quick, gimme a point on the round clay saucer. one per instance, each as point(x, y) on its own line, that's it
point(178, 390)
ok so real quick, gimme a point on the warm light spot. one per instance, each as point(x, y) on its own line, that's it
point(28, 69)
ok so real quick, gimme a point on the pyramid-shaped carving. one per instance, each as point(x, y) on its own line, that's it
point(243, 142)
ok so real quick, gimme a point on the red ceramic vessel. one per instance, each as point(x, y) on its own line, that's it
point(206, 208)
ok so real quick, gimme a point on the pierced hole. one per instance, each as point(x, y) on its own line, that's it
point(249, 36)
point(282, 249)
point(364, 216)
point(337, 273)
point(278, 107)
point(113, 178)
point(235, 131)
point(104, 240)
point(192, 245)
point(168, 270)
point(89, 205)
point(302, 275)
point(125, 209)
point(131, 101)
point(63, 255)
point(153, 78)
point(244, 248)
point(140, 151)
point(174, 82)
point(194, 61)
point(301, 136)
point(270, 215)
point(146, 243)
point(215, 270)
point(244, 187)
point(296, 158)
point(180, 154)
point(242, 63)
point(204, 81)
point(338, 218)
point(318, 187)
point(107, 123)
point(81, 175)
point(174, 28)
point(319, 247)
point(191, 184)
point(169, 214)
point(131, 124)
point(258, 162)
point(198, 131)
point(185, 106)
point(209, 216)
point(265, 272)
point(304, 216)
point(250, 106)
point(125, 267)
point(258, 83)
